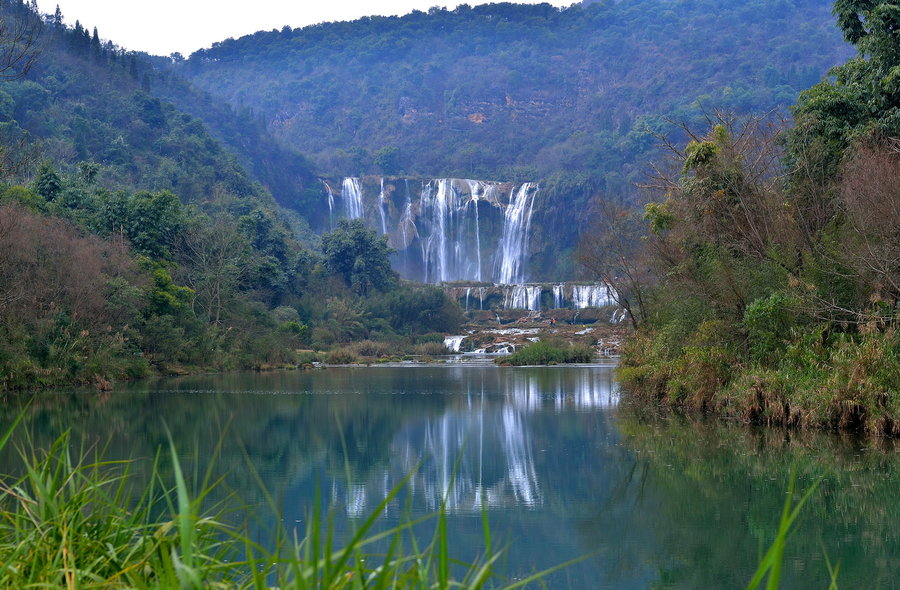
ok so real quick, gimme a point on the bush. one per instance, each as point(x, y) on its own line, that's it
point(769, 321)
point(343, 355)
point(549, 353)
point(430, 349)
point(372, 349)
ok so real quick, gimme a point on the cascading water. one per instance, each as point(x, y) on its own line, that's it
point(351, 193)
point(584, 296)
point(453, 342)
point(452, 250)
point(382, 203)
point(452, 230)
point(514, 240)
point(487, 193)
point(558, 296)
point(330, 194)
point(523, 297)
point(408, 229)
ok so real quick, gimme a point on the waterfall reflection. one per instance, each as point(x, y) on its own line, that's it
point(481, 454)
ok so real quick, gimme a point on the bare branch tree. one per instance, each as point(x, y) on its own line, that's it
point(20, 34)
point(613, 252)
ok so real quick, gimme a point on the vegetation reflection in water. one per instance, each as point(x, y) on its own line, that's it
point(561, 468)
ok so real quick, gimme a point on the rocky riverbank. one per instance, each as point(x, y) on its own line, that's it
point(493, 332)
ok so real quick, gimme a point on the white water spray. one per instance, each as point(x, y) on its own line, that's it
point(514, 241)
point(351, 192)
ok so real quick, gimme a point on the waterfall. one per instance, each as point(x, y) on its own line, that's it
point(477, 239)
point(452, 249)
point(444, 216)
point(453, 342)
point(481, 298)
point(448, 229)
point(523, 297)
point(351, 192)
point(408, 229)
point(558, 296)
point(382, 203)
point(479, 189)
point(468, 290)
point(330, 194)
point(591, 296)
point(514, 240)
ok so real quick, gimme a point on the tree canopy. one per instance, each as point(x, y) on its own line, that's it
point(359, 256)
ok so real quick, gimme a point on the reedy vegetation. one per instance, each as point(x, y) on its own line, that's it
point(82, 523)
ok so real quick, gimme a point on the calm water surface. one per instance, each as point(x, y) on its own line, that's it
point(562, 467)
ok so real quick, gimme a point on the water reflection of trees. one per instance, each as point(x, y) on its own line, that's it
point(298, 426)
point(720, 490)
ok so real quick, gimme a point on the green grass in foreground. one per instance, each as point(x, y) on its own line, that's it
point(75, 524)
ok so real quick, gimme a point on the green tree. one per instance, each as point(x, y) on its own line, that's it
point(48, 184)
point(862, 99)
point(359, 256)
point(154, 221)
point(388, 159)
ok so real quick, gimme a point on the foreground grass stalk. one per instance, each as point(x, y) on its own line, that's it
point(88, 524)
point(771, 563)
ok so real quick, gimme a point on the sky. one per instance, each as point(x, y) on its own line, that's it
point(162, 27)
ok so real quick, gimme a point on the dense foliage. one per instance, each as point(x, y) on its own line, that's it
point(133, 241)
point(517, 91)
point(778, 286)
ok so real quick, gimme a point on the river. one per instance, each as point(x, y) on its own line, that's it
point(560, 464)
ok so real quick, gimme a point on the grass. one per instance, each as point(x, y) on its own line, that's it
point(549, 353)
point(78, 524)
point(816, 379)
point(770, 565)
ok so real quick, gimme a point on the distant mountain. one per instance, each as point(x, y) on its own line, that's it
point(518, 92)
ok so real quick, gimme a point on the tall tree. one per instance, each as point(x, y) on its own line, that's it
point(359, 256)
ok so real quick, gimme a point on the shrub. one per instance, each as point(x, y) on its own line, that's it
point(341, 355)
point(549, 353)
point(769, 321)
point(430, 349)
point(372, 349)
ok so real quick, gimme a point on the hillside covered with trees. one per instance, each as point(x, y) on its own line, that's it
point(764, 279)
point(519, 92)
point(133, 239)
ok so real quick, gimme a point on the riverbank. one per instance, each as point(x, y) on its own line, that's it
point(815, 380)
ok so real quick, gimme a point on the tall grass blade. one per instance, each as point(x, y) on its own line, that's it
point(185, 515)
point(771, 563)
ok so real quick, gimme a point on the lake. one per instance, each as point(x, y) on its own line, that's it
point(560, 464)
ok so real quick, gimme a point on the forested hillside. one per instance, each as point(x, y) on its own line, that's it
point(509, 91)
point(133, 240)
point(85, 99)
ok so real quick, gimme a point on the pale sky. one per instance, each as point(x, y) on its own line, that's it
point(162, 27)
